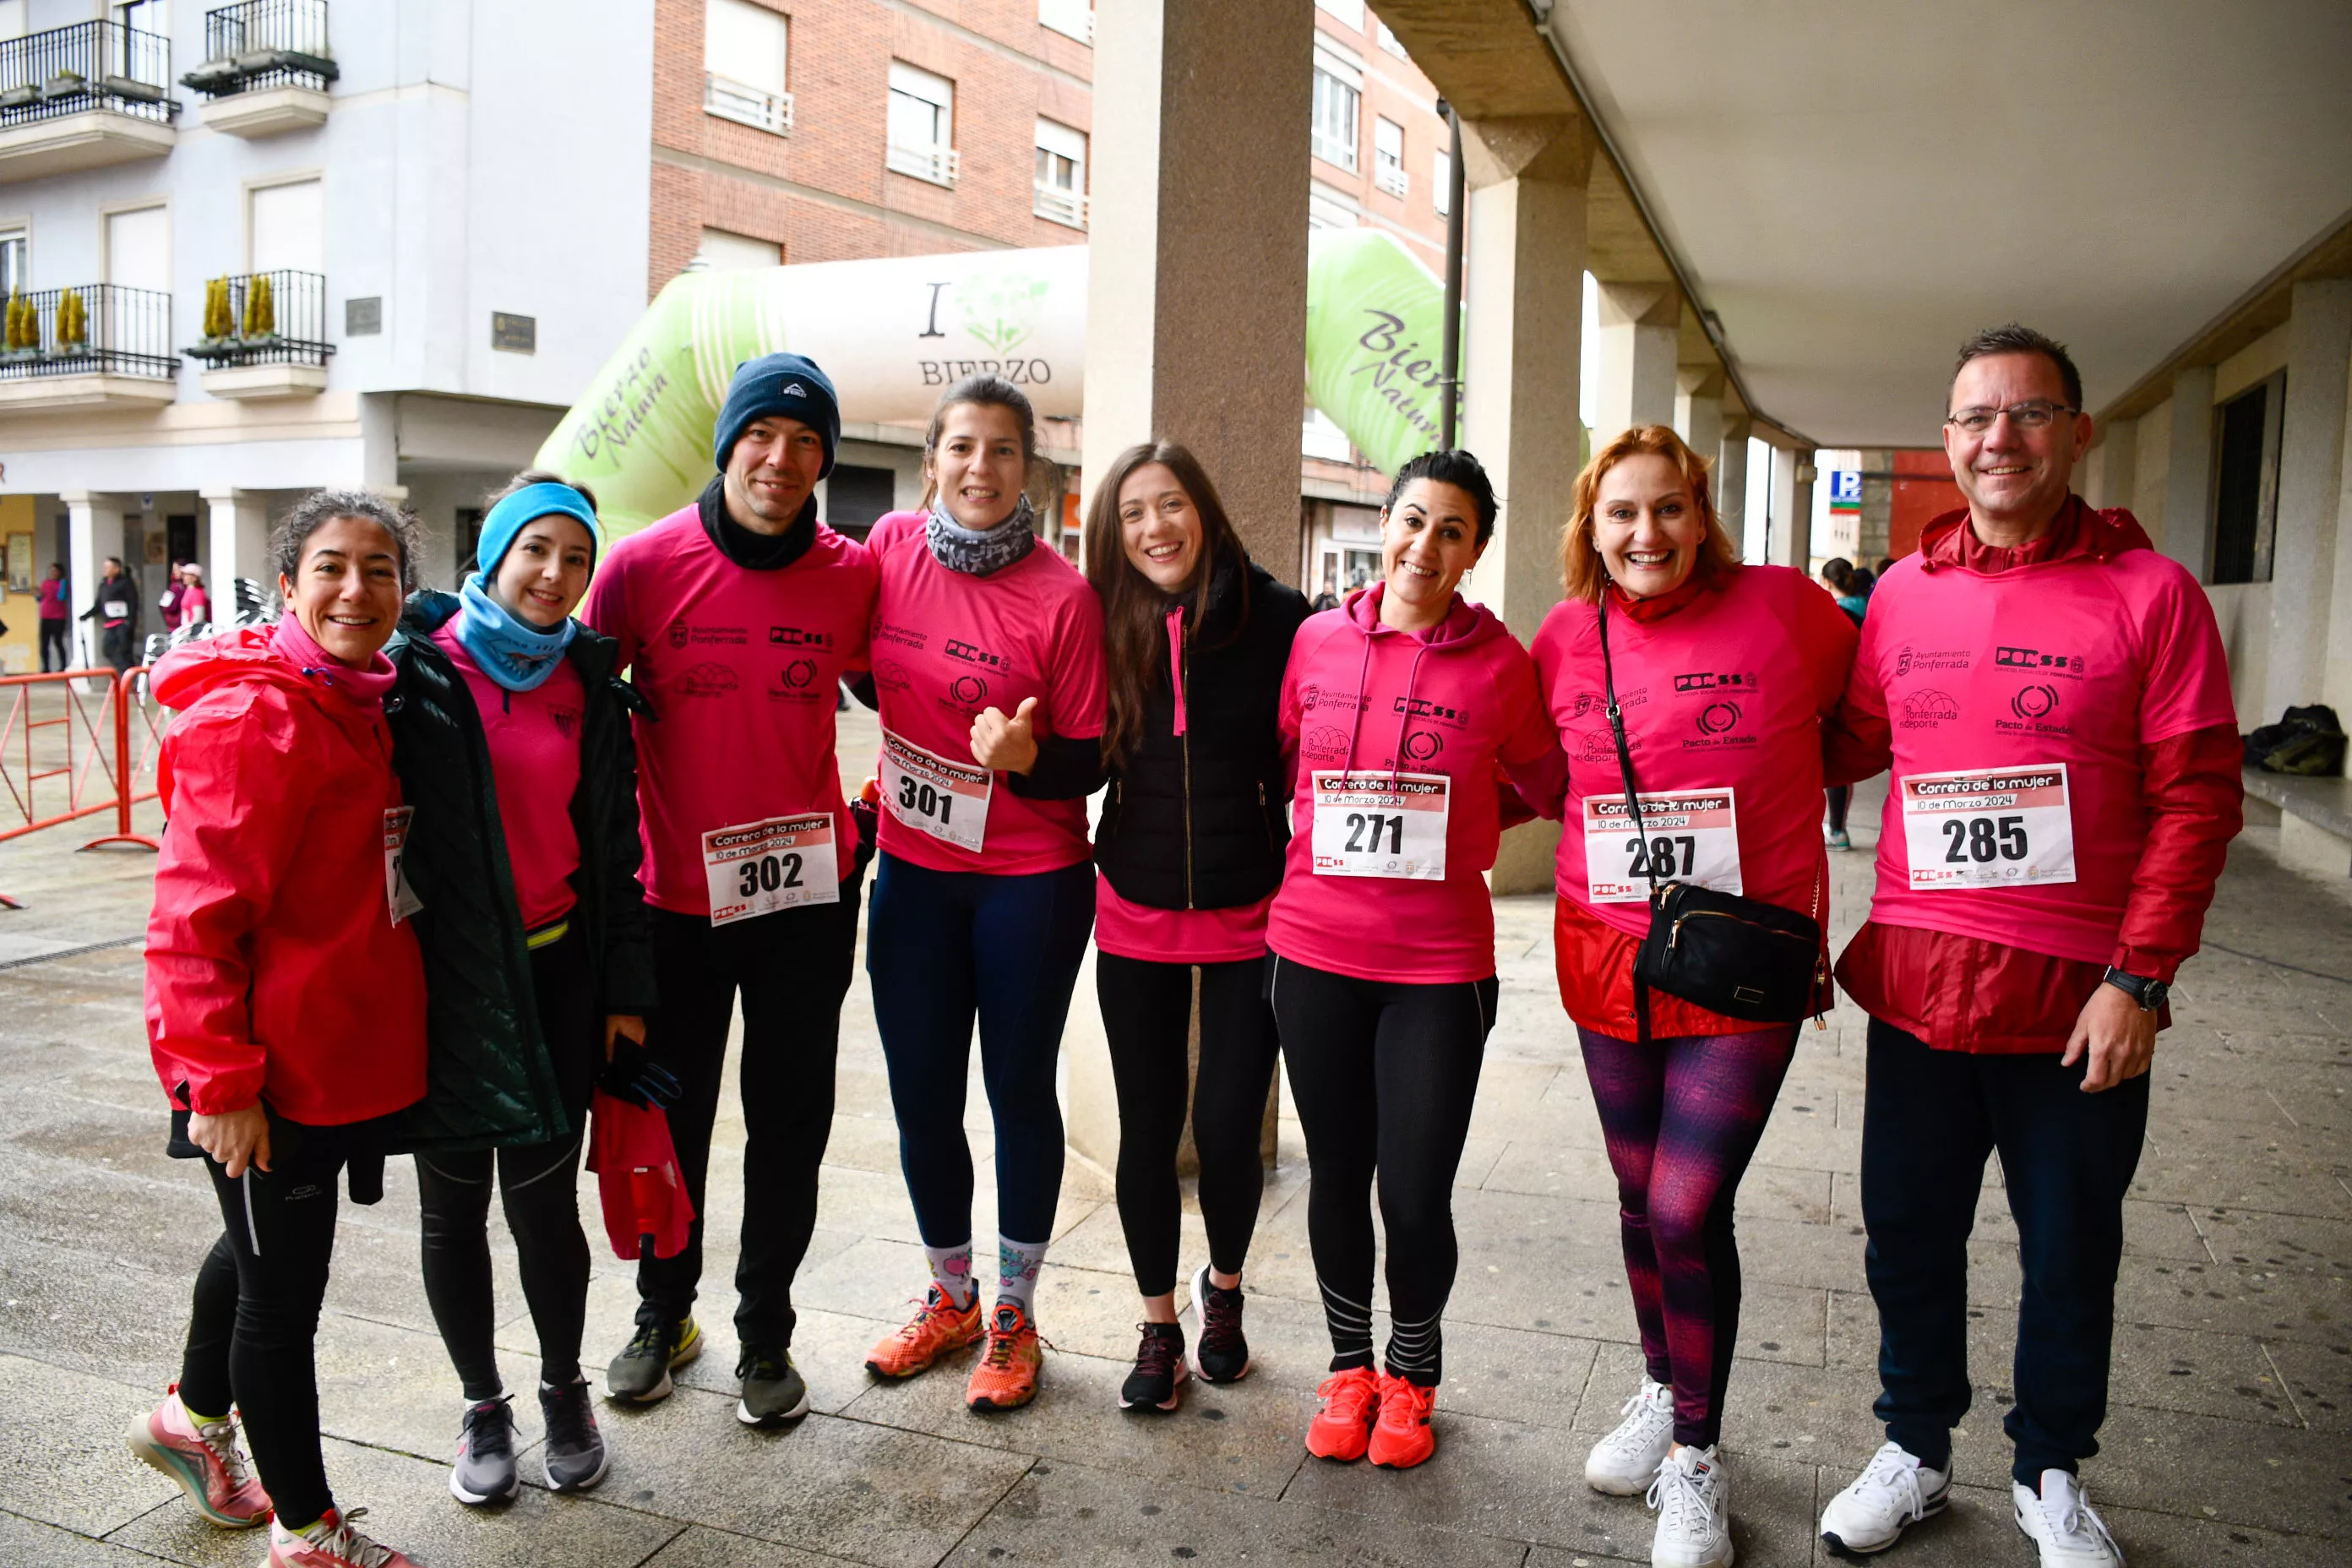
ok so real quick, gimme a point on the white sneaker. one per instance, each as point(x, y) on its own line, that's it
point(1893, 1492)
point(1622, 1463)
point(2060, 1524)
point(1692, 1497)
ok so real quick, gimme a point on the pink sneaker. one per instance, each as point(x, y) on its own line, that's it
point(203, 1461)
point(332, 1543)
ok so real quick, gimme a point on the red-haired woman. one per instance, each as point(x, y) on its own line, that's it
point(1188, 852)
point(1721, 673)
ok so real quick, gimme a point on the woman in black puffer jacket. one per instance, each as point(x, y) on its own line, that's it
point(1189, 849)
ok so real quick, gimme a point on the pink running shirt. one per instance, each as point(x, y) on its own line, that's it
point(1178, 936)
point(740, 669)
point(534, 741)
point(948, 645)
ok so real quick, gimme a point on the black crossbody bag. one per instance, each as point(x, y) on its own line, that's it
point(1738, 956)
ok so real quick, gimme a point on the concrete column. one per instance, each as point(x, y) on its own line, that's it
point(1699, 412)
point(1196, 317)
point(1524, 287)
point(93, 531)
point(1791, 542)
point(2189, 471)
point(1872, 535)
point(2120, 446)
point(2304, 595)
point(1640, 328)
point(1731, 481)
point(238, 536)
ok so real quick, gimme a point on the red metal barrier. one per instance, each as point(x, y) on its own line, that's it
point(87, 755)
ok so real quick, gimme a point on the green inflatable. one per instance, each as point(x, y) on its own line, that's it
point(893, 333)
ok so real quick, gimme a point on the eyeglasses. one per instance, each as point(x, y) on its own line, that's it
point(2035, 413)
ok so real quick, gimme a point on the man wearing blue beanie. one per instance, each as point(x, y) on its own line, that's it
point(737, 617)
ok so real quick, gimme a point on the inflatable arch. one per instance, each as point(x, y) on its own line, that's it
point(893, 333)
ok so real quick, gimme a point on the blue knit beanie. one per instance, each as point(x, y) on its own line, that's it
point(790, 385)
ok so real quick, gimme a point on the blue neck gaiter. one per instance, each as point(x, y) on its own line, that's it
point(508, 649)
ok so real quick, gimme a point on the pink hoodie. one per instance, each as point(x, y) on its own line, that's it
point(1456, 700)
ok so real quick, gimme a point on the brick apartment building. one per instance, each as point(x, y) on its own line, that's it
point(804, 131)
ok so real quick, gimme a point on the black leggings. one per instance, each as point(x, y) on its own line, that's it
point(1147, 1010)
point(255, 1317)
point(1838, 797)
point(791, 969)
point(1384, 1074)
point(538, 1185)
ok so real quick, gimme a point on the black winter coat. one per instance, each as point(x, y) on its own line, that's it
point(1198, 821)
point(490, 1081)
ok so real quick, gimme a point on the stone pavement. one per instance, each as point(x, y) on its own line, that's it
point(2233, 1362)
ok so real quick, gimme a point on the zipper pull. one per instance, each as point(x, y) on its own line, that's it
point(1673, 935)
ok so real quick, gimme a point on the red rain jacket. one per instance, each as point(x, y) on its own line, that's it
point(273, 968)
point(629, 1149)
point(1965, 994)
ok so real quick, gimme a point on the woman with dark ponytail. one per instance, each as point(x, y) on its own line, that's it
point(1189, 851)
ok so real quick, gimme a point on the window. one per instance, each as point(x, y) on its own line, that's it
point(288, 228)
point(1351, 12)
point(15, 249)
point(139, 249)
point(1440, 180)
point(1319, 437)
point(922, 124)
point(147, 16)
point(1388, 156)
point(1390, 41)
point(1072, 18)
point(745, 48)
point(725, 252)
point(2245, 487)
point(1334, 136)
point(1061, 181)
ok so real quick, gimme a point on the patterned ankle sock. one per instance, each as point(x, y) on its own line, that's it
point(1017, 1263)
point(952, 1272)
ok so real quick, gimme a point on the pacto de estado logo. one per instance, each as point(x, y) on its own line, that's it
point(1717, 717)
point(799, 673)
point(2037, 701)
point(1423, 744)
point(968, 689)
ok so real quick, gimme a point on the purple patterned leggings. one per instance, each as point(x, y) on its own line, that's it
point(1682, 1116)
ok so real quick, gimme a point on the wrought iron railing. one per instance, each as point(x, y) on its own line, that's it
point(263, 318)
point(97, 327)
point(263, 44)
point(86, 66)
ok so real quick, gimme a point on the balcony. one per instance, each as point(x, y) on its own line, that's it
point(1054, 202)
point(265, 335)
point(937, 164)
point(83, 96)
point(746, 105)
point(267, 68)
point(97, 346)
point(1392, 178)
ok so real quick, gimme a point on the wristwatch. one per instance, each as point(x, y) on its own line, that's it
point(2149, 994)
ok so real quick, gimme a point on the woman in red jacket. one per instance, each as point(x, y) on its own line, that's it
point(285, 1002)
point(1722, 674)
point(1398, 707)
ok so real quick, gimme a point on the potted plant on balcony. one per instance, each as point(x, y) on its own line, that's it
point(220, 343)
point(22, 340)
point(73, 324)
point(260, 312)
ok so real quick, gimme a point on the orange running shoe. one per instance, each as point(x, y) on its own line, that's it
point(937, 1327)
point(1341, 1428)
point(1401, 1438)
point(1006, 1378)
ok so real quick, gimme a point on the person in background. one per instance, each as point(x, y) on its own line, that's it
point(285, 1003)
point(175, 588)
point(1846, 583)
point(2053, 698)
point(1401, 707)
point(56, 616)
point(1188, 852)
point(116, 611)
point(196, 605)
point(737, 618)
point(512, 734)
point(988, 672)
point(1864, 580)
point(1683, 1093)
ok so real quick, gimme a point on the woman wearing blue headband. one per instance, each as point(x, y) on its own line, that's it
point(512, 736)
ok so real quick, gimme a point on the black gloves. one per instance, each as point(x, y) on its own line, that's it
point(637, 1076)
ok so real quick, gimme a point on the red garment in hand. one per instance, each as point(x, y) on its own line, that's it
point(629, 1149)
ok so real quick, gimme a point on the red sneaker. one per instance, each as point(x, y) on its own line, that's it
point(1343, 1425)
point(204, 1461)
point(1401, 1438)
point(332, 1543)
point(1006, 1375)
point(937, 1327)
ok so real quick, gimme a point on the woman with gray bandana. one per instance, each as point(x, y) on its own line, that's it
point(988, 673)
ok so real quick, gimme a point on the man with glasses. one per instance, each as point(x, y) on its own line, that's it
point(2052, 697)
